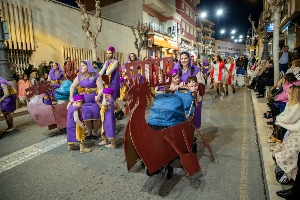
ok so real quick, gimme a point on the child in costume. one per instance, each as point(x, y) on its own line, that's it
point(75, 127)
point(175, 83)
point(192, 85)
point(160, 89)
point(108, 118)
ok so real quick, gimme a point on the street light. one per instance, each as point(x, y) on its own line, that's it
point(235, 40)
point(240, 40)
point(232, 37)
point(241, 36)
point(233, 31)
point(219, 12)
point(203, 15)
point(222, 31)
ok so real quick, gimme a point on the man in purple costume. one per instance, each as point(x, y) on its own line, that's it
point(8, 97)
point(111, 70)
point(74, 124)
point(92, 86)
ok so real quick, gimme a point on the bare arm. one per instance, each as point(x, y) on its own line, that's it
point(73, 87)
point(6, 93)
point(77, 120)
point(114, 66)
point(103, 69)
point(104, 102)
point(99, 84)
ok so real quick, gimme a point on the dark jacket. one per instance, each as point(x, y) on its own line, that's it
point(268, 76)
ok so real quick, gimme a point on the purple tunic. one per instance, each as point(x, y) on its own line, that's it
point(9, 103)
point(71, 124)
point(90, 109)
point(110, 121)
point(185, 76)
point(197, 121)
point(114, 81)
point(48, 100)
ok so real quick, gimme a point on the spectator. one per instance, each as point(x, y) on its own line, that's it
point(50, 65)
point(295, 55)
point(99, 63)
point(43, 69)
point(284, 58)
point(267, 79)
point(23, 84)
point(69, 69)
point(240, 65)
point(95, 66)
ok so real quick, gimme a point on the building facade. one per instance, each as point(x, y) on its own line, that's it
point(38, 33)
point(223, 48)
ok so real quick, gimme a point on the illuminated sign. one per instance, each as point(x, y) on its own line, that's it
point(270, 28)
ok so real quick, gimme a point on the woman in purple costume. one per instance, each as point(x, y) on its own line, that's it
point(8, 97)
point(56, 76)
point(111, 70)
point(186, 68)
point(91, 84)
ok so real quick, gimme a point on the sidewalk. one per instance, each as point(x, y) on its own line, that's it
point(19, 112)
point(264, 131)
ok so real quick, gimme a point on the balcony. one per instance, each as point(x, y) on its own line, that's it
point(160, 7)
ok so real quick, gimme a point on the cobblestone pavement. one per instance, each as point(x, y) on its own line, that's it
point(35, 163)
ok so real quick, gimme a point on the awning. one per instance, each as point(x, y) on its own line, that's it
point(160, 41)
point(20, 27)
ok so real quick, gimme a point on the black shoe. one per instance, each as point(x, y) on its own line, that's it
point(268, 116)
point(288, 194)
point(116, 114)
point(226, 92)
point(88, 137)
point(269, 123)
point(255, 90)
point(121, 114)
point(95, 138)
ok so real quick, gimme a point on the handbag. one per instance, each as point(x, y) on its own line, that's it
point(272, 98)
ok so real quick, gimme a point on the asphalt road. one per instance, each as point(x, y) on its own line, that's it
point(35, 163)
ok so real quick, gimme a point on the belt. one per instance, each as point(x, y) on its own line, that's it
point(56, 82)
point(90, 90)
point(47, 97)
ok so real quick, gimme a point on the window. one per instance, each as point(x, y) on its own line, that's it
point(187, 10)
point(225, 48)
point(187, 28)
point(191, 31)
point(182, 5)
point(195, 18)
point(183, 24)
point(239, 49)
point(191, 14)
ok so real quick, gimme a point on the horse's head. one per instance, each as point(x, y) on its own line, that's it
point(39, 88)
point(141, 92)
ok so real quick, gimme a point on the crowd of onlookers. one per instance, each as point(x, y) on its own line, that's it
point(284, 115)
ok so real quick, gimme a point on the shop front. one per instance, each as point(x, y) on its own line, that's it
point(162, 47)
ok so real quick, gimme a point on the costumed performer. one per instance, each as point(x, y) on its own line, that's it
point(108, 118)
point(229, 77)
point(75, 128)
point(186, 68)
point(111, 70)
point(192, 85)
point(91, 87)
point(8, 98)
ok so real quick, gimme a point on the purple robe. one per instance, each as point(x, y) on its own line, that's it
point(114, 81)
point(185, 76)
point(71, 124)
point(90, 109)
point(109, 121)
point(197, 118)
point(9, 103)
point(48, 100)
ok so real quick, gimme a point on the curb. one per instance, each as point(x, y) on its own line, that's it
point(263, 133)
point(19, 112)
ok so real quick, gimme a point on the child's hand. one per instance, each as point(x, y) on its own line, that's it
point(83, 127)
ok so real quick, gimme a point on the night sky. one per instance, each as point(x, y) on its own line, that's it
point(235, 14)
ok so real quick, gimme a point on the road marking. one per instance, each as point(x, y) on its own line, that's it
point(244, 160)
point(23, 155)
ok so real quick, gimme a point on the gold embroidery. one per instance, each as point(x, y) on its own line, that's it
point(102, 112)
point(56, 82)
point(89, 90)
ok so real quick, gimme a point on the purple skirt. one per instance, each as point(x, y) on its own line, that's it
point(71, 135)
point(9, 104)
point(197, 121)
point(90, 109)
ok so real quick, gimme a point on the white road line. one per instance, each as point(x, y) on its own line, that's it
point(23, 155)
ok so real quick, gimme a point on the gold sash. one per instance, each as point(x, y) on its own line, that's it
point(89, 90)
point(56, 82)
point(102, 112)
point(11, 90)
point(79, 133)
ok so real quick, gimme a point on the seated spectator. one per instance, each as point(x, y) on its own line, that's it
point(256, 78)
point(95, 66)
point(267, 79)
point(286, 155)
